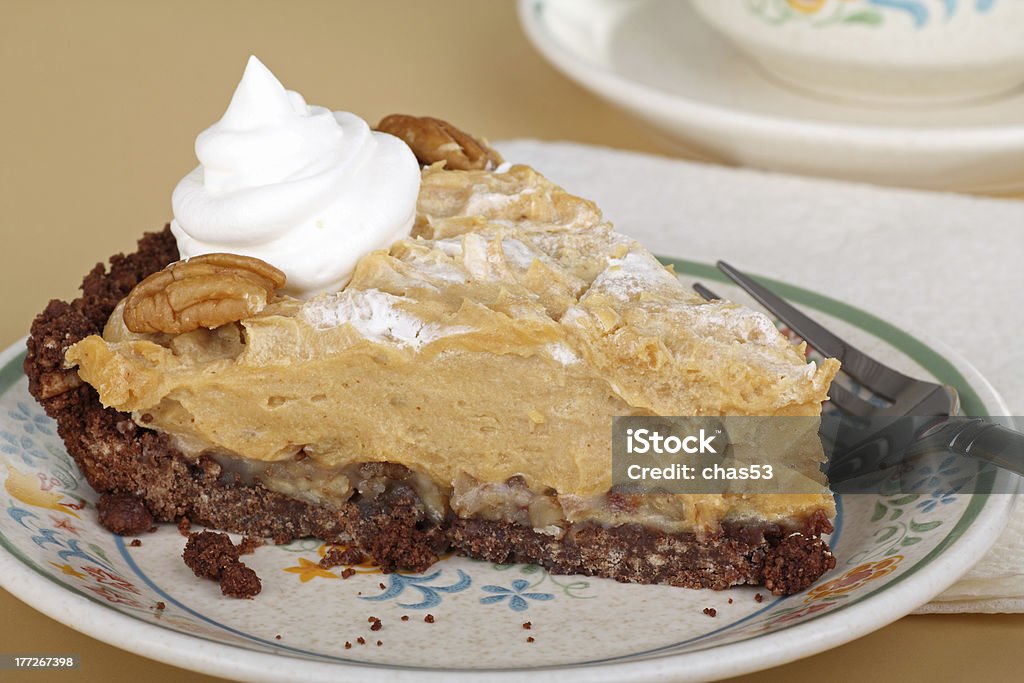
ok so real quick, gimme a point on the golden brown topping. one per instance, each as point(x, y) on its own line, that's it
point(204, 291)
point(434, 140)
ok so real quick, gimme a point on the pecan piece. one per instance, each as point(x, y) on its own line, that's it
point(204, 291)
point(434, 140)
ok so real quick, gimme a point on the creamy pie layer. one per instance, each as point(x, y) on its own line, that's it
point(498, 342)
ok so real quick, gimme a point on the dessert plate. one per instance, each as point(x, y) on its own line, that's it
point(469, 620)
point(659, 61)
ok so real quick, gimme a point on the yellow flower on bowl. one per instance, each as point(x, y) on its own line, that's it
point(807, 6)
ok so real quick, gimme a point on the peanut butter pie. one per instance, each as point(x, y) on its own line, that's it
point(390, 339)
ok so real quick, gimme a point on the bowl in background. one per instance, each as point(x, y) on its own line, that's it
point(907, 52)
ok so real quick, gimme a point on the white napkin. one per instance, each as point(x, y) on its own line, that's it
point(945, 266)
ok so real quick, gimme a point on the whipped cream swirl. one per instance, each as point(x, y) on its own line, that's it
point(303, 188)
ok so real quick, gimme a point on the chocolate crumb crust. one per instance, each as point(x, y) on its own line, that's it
point(123, 515)
point(120, 459)
point(737, 555)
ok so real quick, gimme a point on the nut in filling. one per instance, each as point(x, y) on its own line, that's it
point(433, 140)
point(205, 291)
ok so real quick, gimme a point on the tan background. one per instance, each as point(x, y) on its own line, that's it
point(99, 106)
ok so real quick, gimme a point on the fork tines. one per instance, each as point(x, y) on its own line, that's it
point(902, 394)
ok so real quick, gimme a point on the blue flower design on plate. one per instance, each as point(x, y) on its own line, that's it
point(939, 479)
point(397, 583)
point(65, 547)
point(23, 446)
point(34, 424)
point(517, 599)
point(938, 498)
point(919, 12)
point(32, 419)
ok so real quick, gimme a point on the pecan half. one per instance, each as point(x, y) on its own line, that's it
point(434, 140)
point(204, 291)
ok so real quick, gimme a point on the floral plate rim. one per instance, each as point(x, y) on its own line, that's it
point(973, 534)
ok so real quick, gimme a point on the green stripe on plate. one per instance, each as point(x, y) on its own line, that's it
point(12, 371)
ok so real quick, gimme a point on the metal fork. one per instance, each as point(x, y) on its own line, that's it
point(914, 415)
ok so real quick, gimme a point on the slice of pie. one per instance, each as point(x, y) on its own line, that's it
point(456, 395)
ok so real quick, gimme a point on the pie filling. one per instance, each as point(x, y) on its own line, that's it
point(514, 501)
point(479, 362)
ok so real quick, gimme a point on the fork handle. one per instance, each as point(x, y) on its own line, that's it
point(977, 438)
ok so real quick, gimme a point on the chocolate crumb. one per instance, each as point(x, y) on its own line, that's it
point(135, 543)
point(212, 555)
point(529, 639)
point(152, 529)
point(711, 611)
point(353, 556)
point(730, 601)
point(359, 593)
point(239, 581)
point(405, 617)
point(184, 526)
point(379, 643)
point(340, 555)
point(207, 553)
point(123, 514)
point(348, 645)
point(346, 573)
point(160, 606)
point(361, 640)
point(429, 618)
point(758, 597)
point(277, 637)
point(527, 625)
point(248, 545)
point(376, 626)
point(382, 586)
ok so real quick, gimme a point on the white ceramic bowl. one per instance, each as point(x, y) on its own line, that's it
point(885, 51)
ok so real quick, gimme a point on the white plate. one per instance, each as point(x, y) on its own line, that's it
point(894, 553)
point(658, 60)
